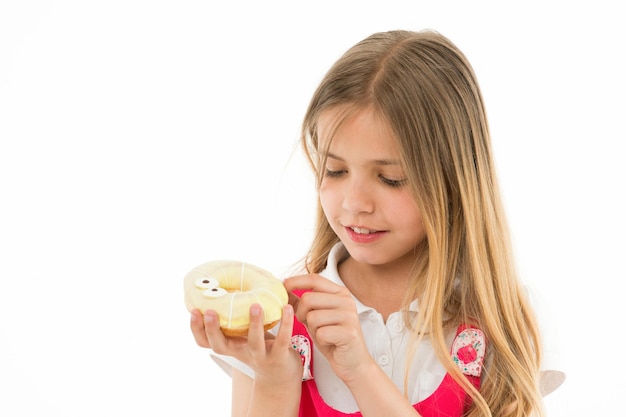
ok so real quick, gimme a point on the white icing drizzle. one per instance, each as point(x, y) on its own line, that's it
point(232, 306)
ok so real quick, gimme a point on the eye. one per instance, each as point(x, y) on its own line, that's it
point(214, 292)
point(207, 282)
point(392, 183)
point(329, 173)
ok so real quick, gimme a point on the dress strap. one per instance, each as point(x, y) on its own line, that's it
point(301, 342)
point(468, 352)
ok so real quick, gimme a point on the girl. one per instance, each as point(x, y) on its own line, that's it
point(411, 305)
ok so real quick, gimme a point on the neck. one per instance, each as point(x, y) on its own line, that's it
point(382, 287)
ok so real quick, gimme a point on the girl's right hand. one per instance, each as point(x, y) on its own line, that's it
point(272, 358)
point(329, 312)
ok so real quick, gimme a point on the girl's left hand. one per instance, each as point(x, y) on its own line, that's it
point(329, 313)
point(272, 358)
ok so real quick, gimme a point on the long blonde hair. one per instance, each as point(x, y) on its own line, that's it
point(425, 88)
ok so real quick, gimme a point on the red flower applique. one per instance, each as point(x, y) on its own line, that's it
point(468, 351)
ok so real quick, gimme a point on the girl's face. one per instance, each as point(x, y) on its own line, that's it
point(364, 193)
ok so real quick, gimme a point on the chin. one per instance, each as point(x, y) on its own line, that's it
point(370, 256)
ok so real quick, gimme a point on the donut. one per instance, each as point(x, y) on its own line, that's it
point(230, 288)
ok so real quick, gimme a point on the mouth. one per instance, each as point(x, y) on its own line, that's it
point(362, 230)
point(363, 234)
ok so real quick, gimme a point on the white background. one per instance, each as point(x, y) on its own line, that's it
point(141, 138)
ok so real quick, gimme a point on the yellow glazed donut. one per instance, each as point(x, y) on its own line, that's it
point(230, 288)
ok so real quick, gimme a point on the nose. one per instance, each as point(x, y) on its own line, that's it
point(358, 197)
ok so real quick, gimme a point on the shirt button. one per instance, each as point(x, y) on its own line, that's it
point(383, 360)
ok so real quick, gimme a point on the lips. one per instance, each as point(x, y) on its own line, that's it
point(363, 234)
point(362, 230)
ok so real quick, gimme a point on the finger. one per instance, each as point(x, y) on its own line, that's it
point(313, 282)
point(324, 302)
point(334, 335)
point(298, 282)
point(214, 335)
point(320, 300)
point(283, 338)
point(321, 318)
point(196, 324)
point(256, 332)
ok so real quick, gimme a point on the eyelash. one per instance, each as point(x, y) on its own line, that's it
point(333, 174)
point(392, 183)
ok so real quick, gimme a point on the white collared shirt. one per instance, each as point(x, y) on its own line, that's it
point(388, 344)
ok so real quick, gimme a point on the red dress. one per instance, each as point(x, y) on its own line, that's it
point(449, 399)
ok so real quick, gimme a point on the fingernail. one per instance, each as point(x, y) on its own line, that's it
point(288, 310)
point(209, 318)
point(255, 310)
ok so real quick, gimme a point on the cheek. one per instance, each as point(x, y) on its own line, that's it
point(331, 203)
point(406, 211)
point(327, 199)
point(418, 229)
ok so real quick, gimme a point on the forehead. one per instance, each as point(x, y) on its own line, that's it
point(354, 130)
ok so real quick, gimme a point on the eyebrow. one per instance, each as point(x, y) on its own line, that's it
point(375, 161)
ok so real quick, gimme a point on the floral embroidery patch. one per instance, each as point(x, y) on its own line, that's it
point(302, 345)
point(468, 351)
